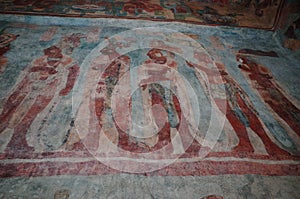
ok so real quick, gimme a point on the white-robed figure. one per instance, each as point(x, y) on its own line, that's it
point(40, 86)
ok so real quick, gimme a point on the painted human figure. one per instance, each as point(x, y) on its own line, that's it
point(44, 80)
point(160, 102)
point(241, 114)
point(151, 101)
point(271, 93)
point(156, 100)
point(105, 71)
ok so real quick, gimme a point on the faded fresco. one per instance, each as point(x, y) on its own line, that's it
point(246, 13)
point(109, 96)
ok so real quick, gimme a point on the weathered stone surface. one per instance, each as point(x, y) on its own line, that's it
point(62, 194)
point(137, 186)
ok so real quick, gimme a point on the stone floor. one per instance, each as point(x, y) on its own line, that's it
point(107, 108)
point(137, 186)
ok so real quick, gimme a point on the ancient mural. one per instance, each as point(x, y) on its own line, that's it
point(146, 100)
point(246, 13)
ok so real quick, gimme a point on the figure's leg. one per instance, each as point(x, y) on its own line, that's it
point(5, 137)
point(244, 144)
point(257, 127)
point(271, 147)
point(9, 108)
point(18, 140)
point(285, 109)
point(20, 112)
point(12, 103)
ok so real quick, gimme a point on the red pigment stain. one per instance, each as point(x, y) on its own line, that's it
point(202, 168)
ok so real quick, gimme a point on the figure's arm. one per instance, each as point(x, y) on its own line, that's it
point(50, 71)
point(72, 76)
